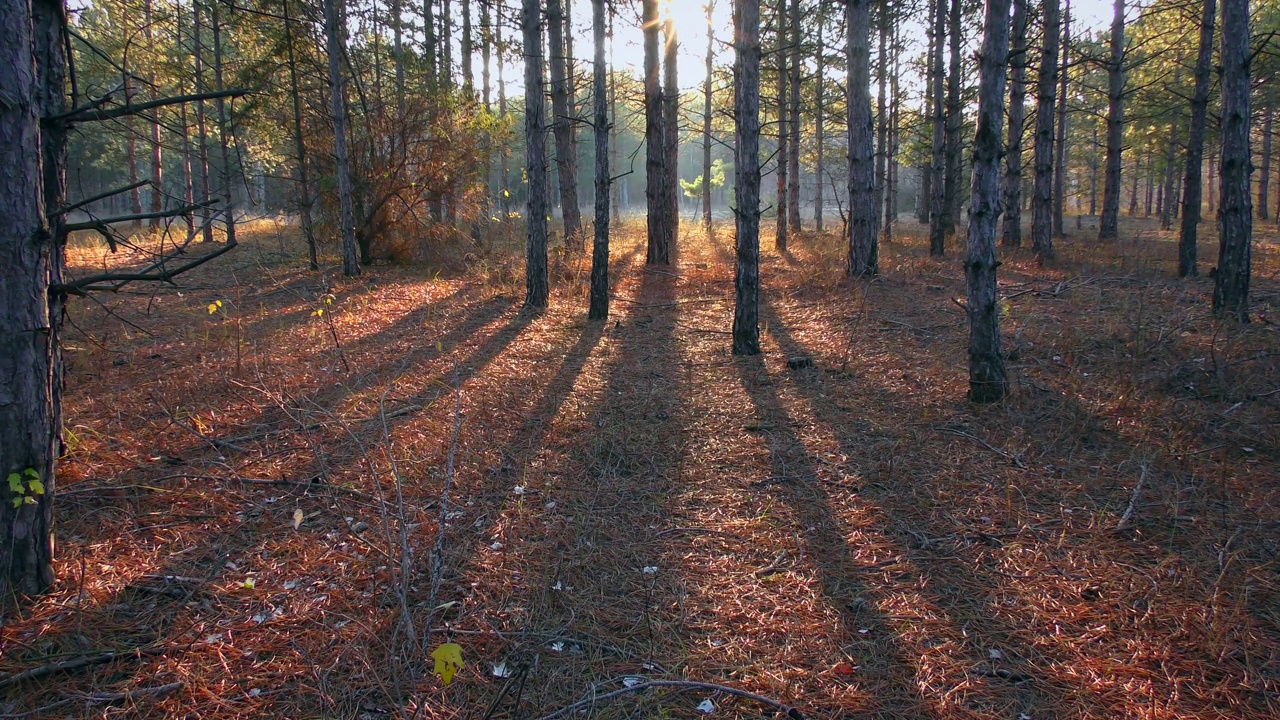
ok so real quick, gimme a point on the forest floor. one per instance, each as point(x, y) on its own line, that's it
point(627, 502)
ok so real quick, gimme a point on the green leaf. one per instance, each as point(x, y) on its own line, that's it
point(15, 484)
point(37, 487)
point(17, 502)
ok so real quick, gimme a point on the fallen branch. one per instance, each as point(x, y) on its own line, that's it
point(1127, 517)
point(77, 663)
point(1016, 460)
point(100, 699)
point(786, 710)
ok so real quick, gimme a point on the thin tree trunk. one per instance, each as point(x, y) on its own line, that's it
point(780, 234)
point(882, 124)
point(613, 119)
point(468, 75)
point(504, 193)
point(1170, 157)
point(1231, 283)
point(895, 107)
point(1146, 209)
point(1093, 175)
point(863, 209)
point(188, 191)
point(793, 172)
point(1012, 191)
point(157, 161)
point(1060, 161)
point(599, 309)
point(299, 144)
point(938, 164)
point(429, 47)
point(446, 44)
point(535, 130)
point(1133, 195)
point(671, 126)
point(201, 127)
point(1109, 225)
point(566, 154)
point(1042, 197)
point(131, 139)
point(224, 129)
point(988, 381)
point(1213, 194)
point(706, 120)
point(819, 122)
point(397, 49)
point(1264, 169)
point(746, 169)
point(955, 120)
point(338, 110)
point(658, 251)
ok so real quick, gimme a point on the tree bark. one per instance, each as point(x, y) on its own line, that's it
point(671, 127)
point(746, 169)
point(988, 381)
point(1235, 216)
point(780, 234)
point(224, 130)
point(882, 124)
point(157, 160)
point(1060, 161)
point(1171, 150)
point(535, 130)
point(819, 120)
point(706, 120)
point(188, 189)
point(468, 47)
point(793, 170)
point(1042, 195)
point(1012, 192)
point(658, 251)
point(955, 120)
point(1109, 225)
point(863, 208)
point(924, 198)
point(299, 144)
point(201, 127)
point(599, 309)
point(938, 164)
point(566, 153)
point(338, 110)
point(31, 249)
point(1264, 170)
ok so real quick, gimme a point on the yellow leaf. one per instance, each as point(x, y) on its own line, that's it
point(297, 518)
point(448, 659)
point(249, 583)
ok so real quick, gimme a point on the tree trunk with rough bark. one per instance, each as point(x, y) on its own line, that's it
point(863, 258)
point(706, 120)
point(561, 124)
point(819, 120)
point(988, 380)
point(1109, 225)
point(599, 309)
point(671, 127)
point(793, 158)
point(938, 162)
point(955, 121)
point(333, 26)
point(1235, 217)
point(1012, 190)
point(1060, 159)
point(659, 247)
point(535, 131)
point(224, 130)
point(157, 159)
point(299, 144)
point(780, 194)
point(201, 126)
point(1264, 169)
point(746, 169)
point(1042, 194)
point(882, 117)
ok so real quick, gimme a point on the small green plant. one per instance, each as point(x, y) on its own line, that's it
point(25, 486)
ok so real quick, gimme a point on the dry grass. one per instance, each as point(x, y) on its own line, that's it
point(852, 538)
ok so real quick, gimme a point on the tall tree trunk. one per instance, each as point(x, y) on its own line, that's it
point(863, 209)
point(613, 119)
point(504, 155)
point(793, 171)
point(429, 46)
point(486, 58)
point(671, 126)
point(1264, 169)
point(468, 76)
point(131, 136)
point(188, 190)
point(659, 250)
point(334, 32)
point(746, 169)
point(1213, 193)
point(1109, 225)
point(924, 198)
point(31, 253)
point(397, 49)
point(1060, 160)
point(938, 164)
point(1146, 210)
point(1231, 283)
point(157, 161)
point(780, 234)
point(446, 44)
point(566, 153)
point(988, 381)
point(955, 120)
point(535, 131)
point(706, 120)
point(599, 309)
point(1012, 191)
point(1042, 196)
point(882, 112)
point(1133, 195)
point(201, 126)
point(819, 121)
point(299, 143)
point(224, 130)
point(895, 106)
point(1093, 175)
